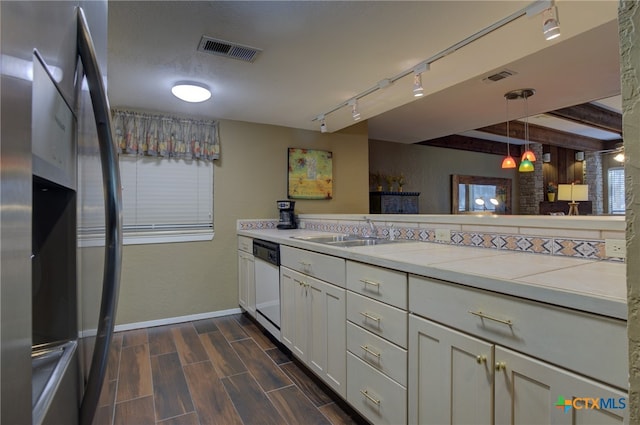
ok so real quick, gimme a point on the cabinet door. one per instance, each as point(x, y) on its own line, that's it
point(287, 307)
point(450, 376)
point(530, 391)
point(326, 353)
point(246, 283)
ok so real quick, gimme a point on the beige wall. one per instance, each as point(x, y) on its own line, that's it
point(428, 170)
point(170, 280)
point(629, 21)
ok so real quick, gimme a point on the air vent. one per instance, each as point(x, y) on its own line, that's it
point(499, 76)
point(227, 49)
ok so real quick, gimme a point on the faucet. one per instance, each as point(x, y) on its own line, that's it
point(372, 226)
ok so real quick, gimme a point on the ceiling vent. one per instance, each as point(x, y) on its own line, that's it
point(505, 73)
point(227, 49)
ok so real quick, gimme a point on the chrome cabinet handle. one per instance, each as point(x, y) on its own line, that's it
point(501, 366)
point(492, 318)
point(370, 351)
point(369, 397)
point(304, 263)
point(481, 359)
point(369, 316)
point(370, 282)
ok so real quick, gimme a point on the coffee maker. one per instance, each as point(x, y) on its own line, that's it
point(287, 217)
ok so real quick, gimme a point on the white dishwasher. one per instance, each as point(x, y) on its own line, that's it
point(267, 275)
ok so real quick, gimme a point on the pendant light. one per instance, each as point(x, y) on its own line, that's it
point(508, 161)
point(528, 157)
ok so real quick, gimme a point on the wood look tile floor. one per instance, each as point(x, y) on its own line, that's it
point(215, 371)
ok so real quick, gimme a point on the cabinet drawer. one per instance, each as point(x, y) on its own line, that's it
point(388, 358)
point(378, 398)
point(381, 319)
point(592, 345)
point(388, 286)
point(321, 266)
point(245, 244)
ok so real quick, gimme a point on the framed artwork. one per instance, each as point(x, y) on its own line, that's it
point(310, 174)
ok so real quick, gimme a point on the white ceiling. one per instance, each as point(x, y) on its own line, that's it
point(319, 54)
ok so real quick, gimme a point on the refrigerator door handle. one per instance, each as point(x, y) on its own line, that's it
point(113, 217)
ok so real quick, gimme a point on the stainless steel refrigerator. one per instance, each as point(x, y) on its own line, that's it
point(56, 314)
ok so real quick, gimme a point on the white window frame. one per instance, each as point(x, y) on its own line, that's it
point(613, 186)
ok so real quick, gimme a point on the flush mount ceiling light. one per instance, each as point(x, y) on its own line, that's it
point(550, 23)
point(191, 92)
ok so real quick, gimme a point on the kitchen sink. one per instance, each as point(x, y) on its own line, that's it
point(346, 241)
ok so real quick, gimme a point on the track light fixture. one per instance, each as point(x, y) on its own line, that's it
point(550, 23)
point(323, 124)
point(354, 109)
point(418, 90)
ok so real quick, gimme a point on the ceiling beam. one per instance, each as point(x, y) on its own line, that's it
point(473, 144)
point(547, 136)
point(591, 115)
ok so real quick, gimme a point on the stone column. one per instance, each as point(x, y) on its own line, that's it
point(531, 184)
point(629, 22)
point(594, 178)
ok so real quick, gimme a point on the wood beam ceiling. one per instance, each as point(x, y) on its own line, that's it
point(591, 115)
point(585, 114)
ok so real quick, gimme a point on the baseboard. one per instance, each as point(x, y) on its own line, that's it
point(162, 322)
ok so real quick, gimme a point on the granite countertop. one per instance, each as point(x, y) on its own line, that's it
point(592, 286)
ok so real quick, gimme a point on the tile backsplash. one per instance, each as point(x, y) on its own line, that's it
point(492, 238)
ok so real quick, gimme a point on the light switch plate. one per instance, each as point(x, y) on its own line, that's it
point(443, 235)
point(615, 248)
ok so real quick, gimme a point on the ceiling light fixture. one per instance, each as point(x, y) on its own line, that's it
point(354, 109)
point(550, 23)
point(619, 157)
point(508, 161)
point(418, 90)
point(323, 125)
point(190, 91)
point(528, 157)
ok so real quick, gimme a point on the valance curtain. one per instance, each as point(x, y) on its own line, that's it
point(138, 133)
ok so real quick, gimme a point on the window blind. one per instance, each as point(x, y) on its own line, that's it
point(615, 187)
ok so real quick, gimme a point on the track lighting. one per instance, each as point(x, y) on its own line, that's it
point(354, 109)
point(550, 23)
point(323, 125)
point(418, 91)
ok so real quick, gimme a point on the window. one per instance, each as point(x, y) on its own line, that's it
point(615, 179)
point(163, 200)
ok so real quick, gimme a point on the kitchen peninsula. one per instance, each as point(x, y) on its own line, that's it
point(474, 305)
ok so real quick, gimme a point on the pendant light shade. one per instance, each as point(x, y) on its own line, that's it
point(528, 154)
point(508, 162)
point(526, 166)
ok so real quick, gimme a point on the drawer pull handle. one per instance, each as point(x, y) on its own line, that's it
point(501, 366)
point(369, 316)
point(370, 282)
point(495, 319)
point(304, 263)
point(366, 394)
point(370, 351)
point(298, 282)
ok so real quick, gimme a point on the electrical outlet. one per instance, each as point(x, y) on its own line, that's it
point(443, 235)
point(615, 248)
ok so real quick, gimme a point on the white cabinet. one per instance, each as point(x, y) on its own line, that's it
point(452, 376)
point(480, 357)
point(246, 276)
point(530, 391)
point(314, 325)
point(377, 342)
